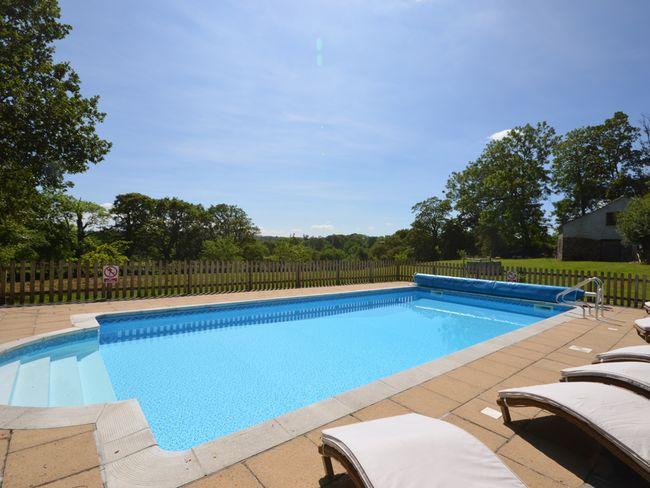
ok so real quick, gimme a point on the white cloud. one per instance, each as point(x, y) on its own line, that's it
point(497, 136)
point(106, 205)
point(326, 227)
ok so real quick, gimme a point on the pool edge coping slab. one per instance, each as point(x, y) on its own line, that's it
point(130, 457)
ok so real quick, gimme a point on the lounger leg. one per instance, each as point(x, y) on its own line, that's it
point(329, 470)
point(505, 412)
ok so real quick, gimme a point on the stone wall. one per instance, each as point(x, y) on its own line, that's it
point(582, 249)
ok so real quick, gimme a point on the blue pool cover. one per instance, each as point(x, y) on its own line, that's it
point(524, 291)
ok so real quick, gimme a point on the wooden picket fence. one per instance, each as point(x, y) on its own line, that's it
point(55, 282)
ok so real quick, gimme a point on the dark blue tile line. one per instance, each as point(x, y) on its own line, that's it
point(276, 302)
point(111, 333)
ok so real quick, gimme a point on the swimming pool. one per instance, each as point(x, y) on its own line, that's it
point(203, 372)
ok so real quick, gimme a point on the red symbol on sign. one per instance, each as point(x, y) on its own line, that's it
point(111, 274)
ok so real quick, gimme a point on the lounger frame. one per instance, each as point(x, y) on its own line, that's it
point(597, 436)
point(622, 359)
point(328, 452)
point(643, 334)
point(592, 378)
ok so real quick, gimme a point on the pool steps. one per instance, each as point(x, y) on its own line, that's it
point(66, 379)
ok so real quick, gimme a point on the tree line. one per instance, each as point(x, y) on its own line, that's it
point(495, 206)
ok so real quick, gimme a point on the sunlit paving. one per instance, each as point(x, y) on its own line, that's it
point(391, 244)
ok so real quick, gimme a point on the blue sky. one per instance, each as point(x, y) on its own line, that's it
point(226, 101)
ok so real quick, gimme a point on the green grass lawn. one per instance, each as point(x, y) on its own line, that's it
point(593, 266)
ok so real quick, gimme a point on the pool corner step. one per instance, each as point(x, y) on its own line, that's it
point(32, 388)
point(8, 374)
point(95, 381)
point(65, 383)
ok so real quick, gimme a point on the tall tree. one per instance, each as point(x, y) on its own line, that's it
point(87, 216)
point(597, 163)
point(578, 172)
point(178, 228)
point(133, 214)
point(230, 221)
point(426, 229)
point(499, 196)
point(47, 127)
point(623, 157)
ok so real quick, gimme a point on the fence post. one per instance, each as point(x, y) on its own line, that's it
point(249, 268)
point(398, 271)
point(338, 272)
point(188, 265)
point(298, 275)
point(3, 283)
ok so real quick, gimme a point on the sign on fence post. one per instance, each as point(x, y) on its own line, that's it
point(511, 276)
point(110, 274)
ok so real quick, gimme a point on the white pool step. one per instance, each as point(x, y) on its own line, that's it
point(65, 384)
point(96, 384)
point(8, 373)
point(72, 378)
point(32, 388)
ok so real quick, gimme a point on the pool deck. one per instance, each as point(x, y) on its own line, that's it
point(541, 448)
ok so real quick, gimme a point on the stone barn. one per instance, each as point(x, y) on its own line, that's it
point(594, 237)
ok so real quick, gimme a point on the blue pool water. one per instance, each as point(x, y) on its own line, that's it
point(204, 372)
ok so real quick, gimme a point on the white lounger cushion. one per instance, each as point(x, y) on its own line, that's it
point(618, 414)
point(635, 373)
point(630, 353)
point(643, 324)
point(414, 451)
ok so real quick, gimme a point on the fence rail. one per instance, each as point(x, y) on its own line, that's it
point(54, 282)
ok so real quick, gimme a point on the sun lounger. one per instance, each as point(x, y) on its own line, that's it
point(413, 451)
point(642, 327)
point(614, 417)
point(646, 307)
point(632, 375)
point(630, 353)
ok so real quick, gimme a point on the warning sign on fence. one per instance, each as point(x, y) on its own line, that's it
point(110, 274)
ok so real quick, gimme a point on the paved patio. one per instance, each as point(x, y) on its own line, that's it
point(542, 449)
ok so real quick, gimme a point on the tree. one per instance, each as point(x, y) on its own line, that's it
point(177, 229)
point(290, 250)
point(254, 251)
point(596, 164)
point(108, 252)
point(454, 238)
point(499, 196)
point(329, 253)
point(622, 157)
point(426, 229)
point(47, 127)
point(395, 247)
point(221, 249)
point(86, 217)
point(634, 225)
point(578, 173)
point(231, 221)
point(133, 214)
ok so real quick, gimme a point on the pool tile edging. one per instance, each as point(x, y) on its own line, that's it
point(129, 454)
